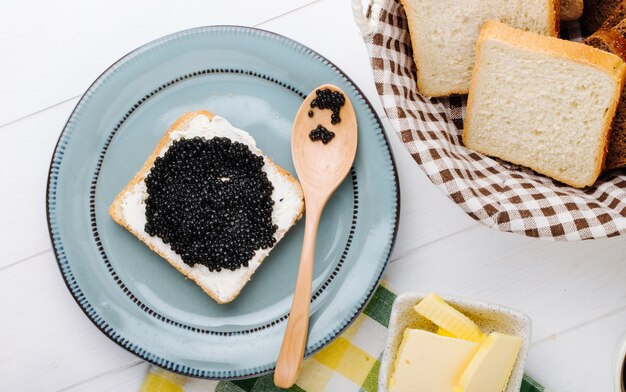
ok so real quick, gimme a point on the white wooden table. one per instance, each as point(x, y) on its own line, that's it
point(50, 52)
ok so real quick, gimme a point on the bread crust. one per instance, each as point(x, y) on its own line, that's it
point(615, 42)
point(574, 51)
point(553, 24)
point(115, 210)
point(554, 17)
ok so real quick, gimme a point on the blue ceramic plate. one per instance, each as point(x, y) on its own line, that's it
point(257, 80)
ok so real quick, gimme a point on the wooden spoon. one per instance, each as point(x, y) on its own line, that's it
point(321, 168)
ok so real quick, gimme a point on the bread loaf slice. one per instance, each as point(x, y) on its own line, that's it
point(613, 40)
point(543, 102)
point(571, 9)
point(128, 208)
point(444, 33)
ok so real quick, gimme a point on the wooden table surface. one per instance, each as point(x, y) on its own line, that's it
point(50, 52)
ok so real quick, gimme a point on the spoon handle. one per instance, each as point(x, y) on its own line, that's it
point(292, 351)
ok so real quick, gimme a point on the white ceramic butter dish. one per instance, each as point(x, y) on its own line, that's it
point(489, 317)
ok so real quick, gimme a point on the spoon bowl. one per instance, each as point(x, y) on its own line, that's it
point(321, 167)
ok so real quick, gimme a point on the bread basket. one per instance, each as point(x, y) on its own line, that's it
point(496, 193)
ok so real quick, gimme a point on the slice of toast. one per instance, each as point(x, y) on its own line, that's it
point(543, 103)
point(444, 32)
point(128, 208)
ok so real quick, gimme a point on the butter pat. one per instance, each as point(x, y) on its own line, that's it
point(434, 308)
point(430, 362)
point(491, 367)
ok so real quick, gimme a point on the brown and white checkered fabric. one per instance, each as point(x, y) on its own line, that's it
point(499, 194)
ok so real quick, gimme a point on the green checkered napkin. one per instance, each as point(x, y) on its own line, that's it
point(350, 363)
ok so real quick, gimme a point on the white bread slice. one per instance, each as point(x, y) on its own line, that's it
point(128, 208)
point(542, 102)
point(571, 9)
point(444, 33)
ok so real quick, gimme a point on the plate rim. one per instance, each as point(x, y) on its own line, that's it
point(133, 348)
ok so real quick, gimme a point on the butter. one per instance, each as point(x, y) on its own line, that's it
point(491, 367)
point(443, 332)
point(457, 357)
point(429, 362)
point(434, 308)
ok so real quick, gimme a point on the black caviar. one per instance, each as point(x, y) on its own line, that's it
point(321, 133)
point(329, 99)
point(211, 201)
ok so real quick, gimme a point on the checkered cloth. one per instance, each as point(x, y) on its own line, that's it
point(499, 194)
point(350, 363)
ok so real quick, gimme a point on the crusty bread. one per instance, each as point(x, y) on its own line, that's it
point(617, 15)
point(542, 102)
point(613, 40)
point(288, 208)
point(571, 9)
point(616, 156)
point(597, 12)
point(609, 40)
point(444, 33)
